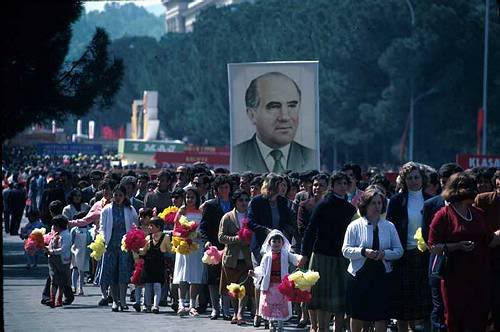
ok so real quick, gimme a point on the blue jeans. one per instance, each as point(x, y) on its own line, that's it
point(437, 313)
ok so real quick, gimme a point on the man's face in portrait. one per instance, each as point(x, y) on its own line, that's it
point(276, 116)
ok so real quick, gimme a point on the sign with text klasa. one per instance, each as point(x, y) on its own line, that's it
point(130, 146)
point(474, 160)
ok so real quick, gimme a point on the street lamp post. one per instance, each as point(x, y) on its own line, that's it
point(485, 77)
point(412, 102)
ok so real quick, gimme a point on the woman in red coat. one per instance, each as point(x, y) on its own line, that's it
point(460, 231)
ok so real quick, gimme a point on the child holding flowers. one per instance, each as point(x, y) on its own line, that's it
point(153, 272)
point(189, 268)
point(145, 215)
point(273, 305)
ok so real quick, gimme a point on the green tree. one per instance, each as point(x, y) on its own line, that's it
point(119, 20)
point(38, 84)
point(371, 58)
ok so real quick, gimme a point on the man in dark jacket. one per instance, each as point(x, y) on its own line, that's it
point(53, 192)
point(6, 208)
point(213, 212)
point(16, 202)
point(95, 179)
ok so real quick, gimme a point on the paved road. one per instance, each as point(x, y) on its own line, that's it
point(23, 311)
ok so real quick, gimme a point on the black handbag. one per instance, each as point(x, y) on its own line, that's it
point(439, 262)
point(438, 268)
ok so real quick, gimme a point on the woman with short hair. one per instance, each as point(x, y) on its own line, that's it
point(371, 243)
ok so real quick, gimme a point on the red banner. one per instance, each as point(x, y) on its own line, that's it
point(479, 130)
point(189, 157)
point(475, 160)
point(109, 133)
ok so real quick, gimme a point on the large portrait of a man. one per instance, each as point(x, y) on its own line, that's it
point(274, 116)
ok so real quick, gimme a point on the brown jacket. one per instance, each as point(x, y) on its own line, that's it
point(228, 231)
point(490, 203)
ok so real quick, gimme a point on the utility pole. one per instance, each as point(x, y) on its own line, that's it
point(485, 77)
point(412, 102)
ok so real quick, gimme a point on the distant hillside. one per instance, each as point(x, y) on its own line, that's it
point(119, 20)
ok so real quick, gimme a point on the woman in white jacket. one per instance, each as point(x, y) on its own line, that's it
point(117, 219)
point(371, 243)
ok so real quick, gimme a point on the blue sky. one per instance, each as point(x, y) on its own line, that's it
point(153, 6)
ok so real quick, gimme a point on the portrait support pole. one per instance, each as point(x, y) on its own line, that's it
point(485, 77)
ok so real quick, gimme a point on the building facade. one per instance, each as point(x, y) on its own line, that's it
point(181, 14)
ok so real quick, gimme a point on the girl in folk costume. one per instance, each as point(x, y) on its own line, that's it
point(273, 267)
point(80, 256)
point(153, 272)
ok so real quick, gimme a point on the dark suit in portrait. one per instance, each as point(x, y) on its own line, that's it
point(248, 157)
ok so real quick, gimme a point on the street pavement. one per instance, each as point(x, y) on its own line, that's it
point(23, 311)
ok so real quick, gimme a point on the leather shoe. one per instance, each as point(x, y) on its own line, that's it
point(256, 321)
point(302, 324)
point(226, 317)
point(68, 301)
point(103, 303)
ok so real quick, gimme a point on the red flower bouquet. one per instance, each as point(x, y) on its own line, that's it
point(245, 234)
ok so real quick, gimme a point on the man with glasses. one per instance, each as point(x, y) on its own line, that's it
point(202, 184)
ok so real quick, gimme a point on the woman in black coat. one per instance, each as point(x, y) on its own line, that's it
point(412, 293)
point(322, 245)
point(266, 212)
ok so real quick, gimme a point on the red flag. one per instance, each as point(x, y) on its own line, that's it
point(106, 132)
point(120, 133)
point(402, 143)
point(479, 130)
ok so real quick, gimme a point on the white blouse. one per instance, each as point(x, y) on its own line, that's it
point(415, 217)
point(359, 235)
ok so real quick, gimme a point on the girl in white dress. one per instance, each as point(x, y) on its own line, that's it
point(80, 256)
point(189, 269)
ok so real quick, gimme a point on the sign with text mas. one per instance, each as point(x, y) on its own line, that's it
point(473, 160)
point(128, 146)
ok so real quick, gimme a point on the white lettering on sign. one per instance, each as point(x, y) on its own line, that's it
point(149, 147)
point(135, 147)
point(484, 162)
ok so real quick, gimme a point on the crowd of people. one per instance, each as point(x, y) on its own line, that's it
point(424, 251)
